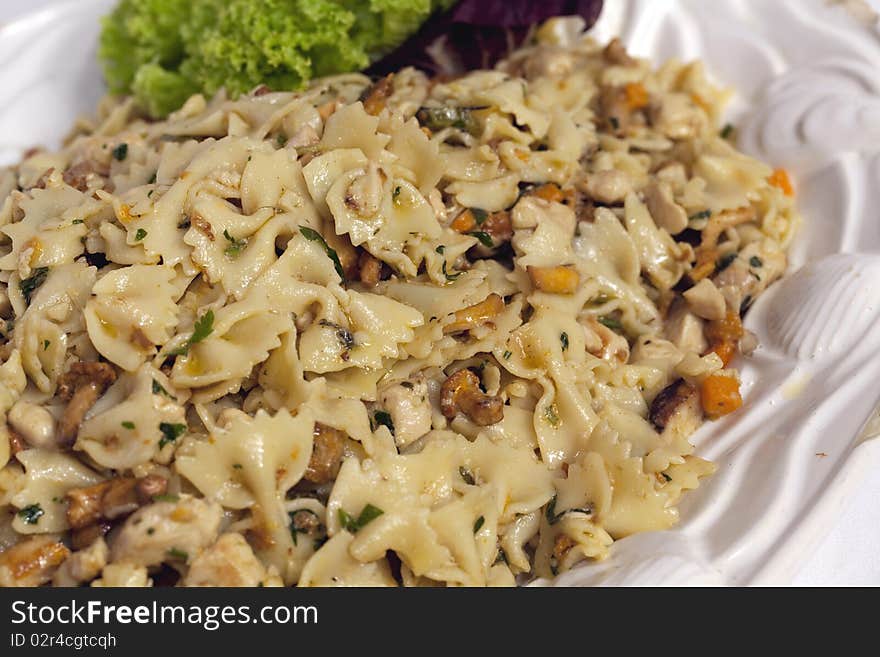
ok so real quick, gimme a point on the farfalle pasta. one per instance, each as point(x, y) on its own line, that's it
point(401, 332)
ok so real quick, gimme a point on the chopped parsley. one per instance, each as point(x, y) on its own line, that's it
point(383, 418)
point(725, 261)
point(615, 122)
point(166, 498)
point(727, 130)
point(438, 118)
point(755, 261)
point(479, 215)
point(120, 152)
point(46, 344)
point(467, 475)
point(203, 327)
point(281, 140)
point(485, 238)
point(30, 284)
point(550, 511)
point(152, 179)
point(140, 234)
point(368, 514)
point(314, 236)
point(158, 389)
point(128, 425)
point(395, 193)
point(31, 514)
point(666, 476)
point(176, 553)
point(170, 432)
point(563, 338)
point(440, 249)
point(450, 277)
point(610, 322)
point(294, 529)
point(77, 221)
point(479, 523)
point(237, 466)
point(705, 214)
point(236, 246)
point(507, 354)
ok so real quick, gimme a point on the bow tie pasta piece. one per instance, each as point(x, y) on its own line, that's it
point(251, 462)
point(333, 565)
point(132, 310)
point(131, 423)
point(351, 127)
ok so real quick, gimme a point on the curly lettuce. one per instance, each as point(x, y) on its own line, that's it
point(162, 51)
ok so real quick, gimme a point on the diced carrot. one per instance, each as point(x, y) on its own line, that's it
point(562, 279)
point(779, 178)
point(636, 95)
point(719, 395)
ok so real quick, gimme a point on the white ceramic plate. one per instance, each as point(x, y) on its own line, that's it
point(809, 100)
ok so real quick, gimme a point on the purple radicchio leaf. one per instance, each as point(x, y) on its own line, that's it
point(478, 33)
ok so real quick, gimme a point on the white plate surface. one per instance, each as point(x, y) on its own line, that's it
point(807, 73)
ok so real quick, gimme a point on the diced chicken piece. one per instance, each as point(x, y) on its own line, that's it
point(167, 531)
point(123, 575)
point(82, 566)
point(32, 562)
point(667, 214)
point(648, 348)
point(706, 301)
point(684, 329)
point(611, 345)
point(410, 410)
point(228, 562)
point(677, 117)
point(608, 187)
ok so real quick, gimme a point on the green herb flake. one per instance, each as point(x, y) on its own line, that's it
point(550, 511)
point(551, 414)
point(479, 215)
point(725, 261)
point(31, 515)
point(485, 238)
point(237, 466)
point(615, 122)
point(563, 338)
point(140, 235)
point(755, 261)
point(611, 322)
point(203, 327)
point(236, 246)
point(439, 118)
point(120, 152)
point(666, 476)
point(450, 277)
point(479, 523)
point(128, 425)
point(727, 131)
point(158, 389)
point(176, 553)
point(46, 344)
point(30, 284)
point(395, 194)
point(152, 180)
point(314, 236)
point(467, 475)
point(507, 354)
point(368, 514)
point(383, 418)
point(440, 249)
point(166, 498)
point(170, 432)
point(704, 214)
point(76, 222)
point(281, 140)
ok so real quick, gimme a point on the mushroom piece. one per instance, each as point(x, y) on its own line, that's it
point(461, 393)
point(111, 499)
point(327, 451)
point(670, 401)
point(32, 562)
point(81, 386)
point(376, 95)
point(476, 315)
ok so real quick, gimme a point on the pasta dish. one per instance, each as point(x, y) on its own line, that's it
point(399, 331)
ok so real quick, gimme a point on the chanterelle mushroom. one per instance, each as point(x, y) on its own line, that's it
point(461, 393)
point(81, 386)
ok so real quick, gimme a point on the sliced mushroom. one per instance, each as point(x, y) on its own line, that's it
point(81, 385)
point(476, 315)
point(376, 95)
point(461, 393)
point(32, 562)
point(670, 401)
point(112, 499)
point(327, 452)
point(667, 214)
